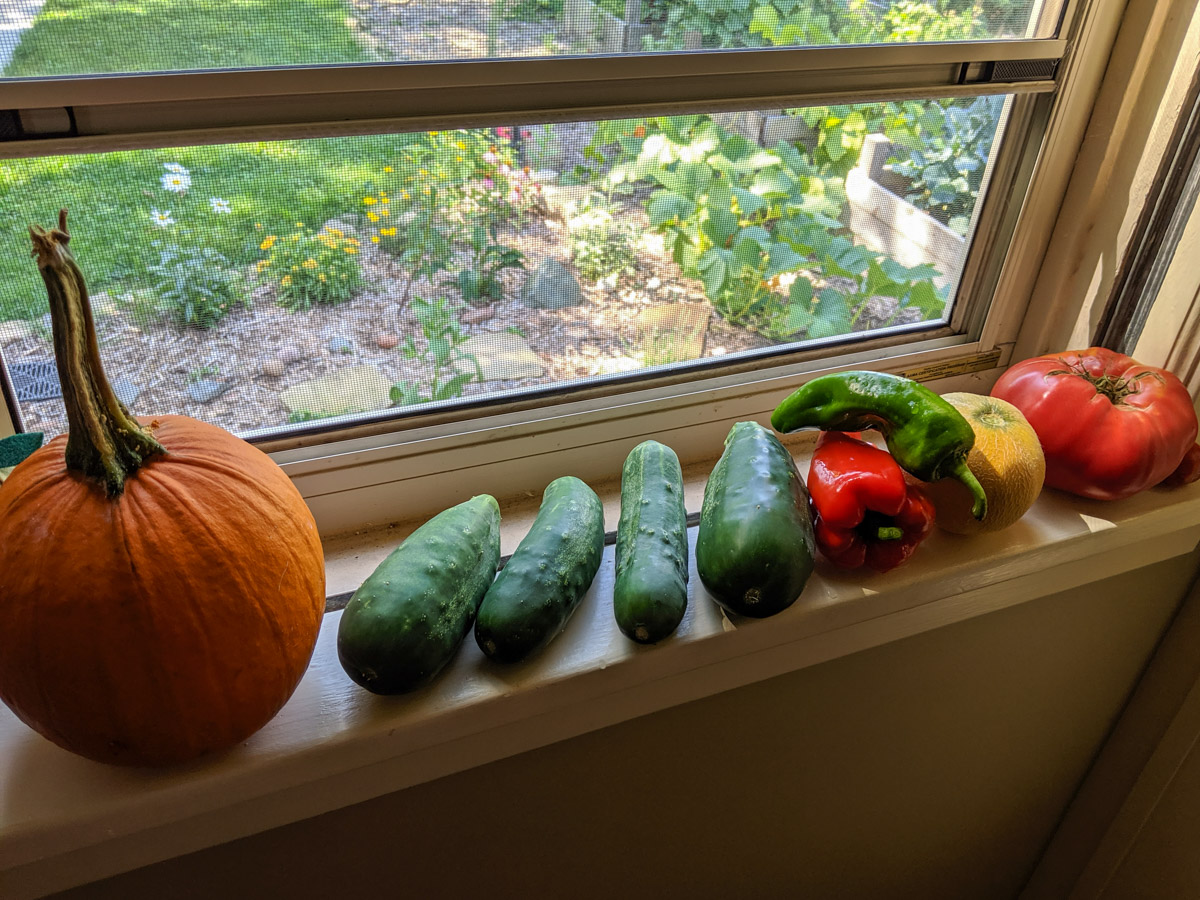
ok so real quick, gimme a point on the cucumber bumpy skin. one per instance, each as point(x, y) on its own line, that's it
point(754, 548)
point(404, 624)
point(543, 582)
point(650, 592)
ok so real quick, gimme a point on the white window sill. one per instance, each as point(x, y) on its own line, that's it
point(66, 821)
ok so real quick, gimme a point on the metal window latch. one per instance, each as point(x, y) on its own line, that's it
point(48, 122)
point(1008, 71)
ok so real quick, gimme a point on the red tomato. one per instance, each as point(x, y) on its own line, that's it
point(1109, 426)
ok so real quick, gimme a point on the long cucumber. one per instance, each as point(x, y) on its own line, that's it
point(404, 624)
point(545, 579)
point(754, 549)
point(650, 592)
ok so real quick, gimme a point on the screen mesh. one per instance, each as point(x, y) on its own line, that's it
point(264, 285)
point(63, 37)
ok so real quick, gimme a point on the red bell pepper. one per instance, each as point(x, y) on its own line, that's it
point(865, 512)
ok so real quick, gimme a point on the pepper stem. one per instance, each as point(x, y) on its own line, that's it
point(104, 442)
point(958, 469)
point(886, 533)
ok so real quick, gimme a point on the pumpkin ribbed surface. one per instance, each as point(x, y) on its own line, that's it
point(169, 622)
point(173, 620)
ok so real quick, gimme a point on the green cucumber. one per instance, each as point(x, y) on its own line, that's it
point(650, 593)
point(543, 582)
point(754, 548)
point(407, 619)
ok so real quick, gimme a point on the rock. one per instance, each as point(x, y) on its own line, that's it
point(206, 390)
point(291, 354)
point(478, 315)
point(125, 390)
point(879, 311)
point(350, 390)
point(672, 332)
point(16, 330)
point(551, 286)
point(348, 224)
point(501, 356)
point(338, 345)
point(386, 341)
point(274, 368)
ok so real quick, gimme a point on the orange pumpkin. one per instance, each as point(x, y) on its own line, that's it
point(161, 581)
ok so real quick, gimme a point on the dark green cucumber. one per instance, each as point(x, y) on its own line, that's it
point(650, 593)
point(754, 549)
point(543, 582)
point(408, 618)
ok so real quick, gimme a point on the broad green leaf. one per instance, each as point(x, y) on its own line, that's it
point(925, 298)
point(713, 271)
point(667, 206)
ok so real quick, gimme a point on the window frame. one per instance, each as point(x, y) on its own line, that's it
point(344, 474)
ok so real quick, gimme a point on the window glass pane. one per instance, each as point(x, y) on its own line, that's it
point(262, 285)
point(60, 37)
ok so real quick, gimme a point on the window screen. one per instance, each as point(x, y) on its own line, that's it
point(275, 284)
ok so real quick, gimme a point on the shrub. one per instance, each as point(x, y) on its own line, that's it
point(308, 267)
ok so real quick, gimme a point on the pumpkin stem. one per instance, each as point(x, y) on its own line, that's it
point(105, 442)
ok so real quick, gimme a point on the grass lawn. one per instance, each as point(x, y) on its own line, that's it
point(110, 196)
point(72, 37)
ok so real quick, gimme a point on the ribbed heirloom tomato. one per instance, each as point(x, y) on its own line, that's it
point(1109, 426)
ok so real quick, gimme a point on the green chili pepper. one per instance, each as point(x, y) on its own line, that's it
point(926, 435)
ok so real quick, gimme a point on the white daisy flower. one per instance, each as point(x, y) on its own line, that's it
point(176, 168)
point(219, 206)
point(176, 182)
point(162, 217)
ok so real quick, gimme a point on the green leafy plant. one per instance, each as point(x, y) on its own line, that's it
point(193, 282)
point(532, 10)
point(745, 221)
point(602, 245)
point(441, 336)
point(945, 172)
point(479, 280)
point(195, 285)
point(309, 268)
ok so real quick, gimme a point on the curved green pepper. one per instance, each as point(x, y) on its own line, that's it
point(926, 435)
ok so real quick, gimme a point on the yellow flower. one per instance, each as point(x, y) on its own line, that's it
point(295, 268)
point(336, 231)
point(384, 200)
point(299, 224)
point(310, 263)
point(404, 195)
point(387, 231)
point(263, 263)
point(374, 240)
point(424, 172)
point(267, 243)
point(258, 225)
point(321, 276)
point(368, 200)
point(372, 217)
point(384, 212)
point(387, 168)
point(460, 145)
point(459, 158)
point(286, 280)
point(350, 250)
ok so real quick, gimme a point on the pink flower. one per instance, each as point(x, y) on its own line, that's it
point(504, 132)
point(488, 183)
point(490, 158)
point(524, 132)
